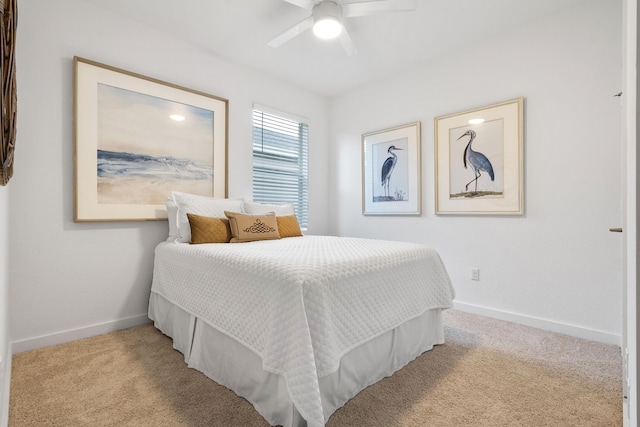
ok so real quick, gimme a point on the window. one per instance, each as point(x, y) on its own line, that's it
point(280, 161)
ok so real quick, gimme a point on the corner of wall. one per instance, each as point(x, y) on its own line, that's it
point(5, 346)
point(5, 386)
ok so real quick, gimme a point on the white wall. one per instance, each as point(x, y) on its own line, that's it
point(557, 266)
point(5, 361)
point(4, 265)
point(94, 277)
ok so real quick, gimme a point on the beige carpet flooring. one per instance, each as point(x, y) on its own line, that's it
point(488, 373)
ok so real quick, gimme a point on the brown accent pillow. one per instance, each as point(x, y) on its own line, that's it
point(248, 228)
point(288, 226)
point(205, 229)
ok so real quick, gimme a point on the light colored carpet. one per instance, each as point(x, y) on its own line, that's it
point(488, 373)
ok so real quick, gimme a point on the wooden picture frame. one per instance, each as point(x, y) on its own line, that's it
point(137, 139)
point(479, 161)
point(391, 183)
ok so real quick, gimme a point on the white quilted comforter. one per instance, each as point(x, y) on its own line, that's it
point(302, 303)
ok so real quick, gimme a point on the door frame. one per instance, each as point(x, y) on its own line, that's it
point(630, 182)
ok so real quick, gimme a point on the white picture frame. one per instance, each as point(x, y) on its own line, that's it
point(137, 139)
point(391, 176)
point(479, 161)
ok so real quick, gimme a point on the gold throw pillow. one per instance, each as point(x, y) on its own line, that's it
point(206, 229)
point(248, 228)
point(288, 226)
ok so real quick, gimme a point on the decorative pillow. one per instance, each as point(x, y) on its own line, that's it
point(200, 205)
point(288, 226)
point(205, 229)
point(255, 208)
point(248, 228)
point(172, 218)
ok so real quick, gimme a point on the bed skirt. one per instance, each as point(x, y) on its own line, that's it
point(231, 364)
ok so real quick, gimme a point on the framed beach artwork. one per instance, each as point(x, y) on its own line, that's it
point(137, 139)
point(391, 171)
point(479, 161)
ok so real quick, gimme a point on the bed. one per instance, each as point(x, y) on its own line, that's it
point(298, 325)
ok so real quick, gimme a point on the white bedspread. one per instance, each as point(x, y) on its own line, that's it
point(302, 303)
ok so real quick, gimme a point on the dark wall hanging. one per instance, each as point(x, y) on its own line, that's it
point(8, 23)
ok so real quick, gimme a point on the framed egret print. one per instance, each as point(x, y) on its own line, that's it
point(479, 160)
point(137, 139)
point(391, 171)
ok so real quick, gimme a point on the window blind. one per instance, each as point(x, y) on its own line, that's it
point(280, 162)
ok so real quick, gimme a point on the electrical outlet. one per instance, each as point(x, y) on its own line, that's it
point(475, 274)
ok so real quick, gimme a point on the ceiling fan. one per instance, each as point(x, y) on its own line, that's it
point(327, 18)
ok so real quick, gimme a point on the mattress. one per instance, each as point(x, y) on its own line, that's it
point(301, 304)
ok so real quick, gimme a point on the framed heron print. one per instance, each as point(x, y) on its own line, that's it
point(391, 171)
point(137, 139)
point(479, 160)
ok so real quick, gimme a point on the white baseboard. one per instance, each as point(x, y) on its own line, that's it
point(75, 334)
point(547, 325)
point(5, 386)
point(103, 328)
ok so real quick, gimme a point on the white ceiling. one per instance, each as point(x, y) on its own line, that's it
point(240, 29)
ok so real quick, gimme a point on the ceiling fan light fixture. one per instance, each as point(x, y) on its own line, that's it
point(327, 17)
point(327, 28)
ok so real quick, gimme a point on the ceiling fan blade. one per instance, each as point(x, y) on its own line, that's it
point(378, 6)
point(300, 27)
point(347, 43)
point(305, 4)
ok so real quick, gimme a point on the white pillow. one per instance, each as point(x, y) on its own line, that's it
point(172, 217)
point(255, 208)
point(200, 205)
